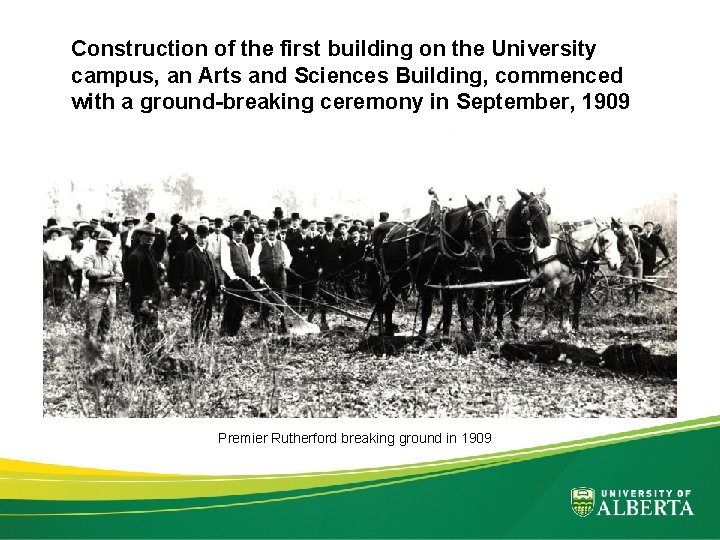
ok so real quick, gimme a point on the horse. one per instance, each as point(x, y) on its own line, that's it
point(524, 228)
point(563, 268)
point(632, 264)
point(428, 250)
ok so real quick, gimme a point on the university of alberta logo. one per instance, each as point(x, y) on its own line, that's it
point(583, 500)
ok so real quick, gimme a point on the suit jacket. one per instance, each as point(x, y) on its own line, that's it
point(329, 254)
point(177, 245)
point(143, 275)
point(199, 268)
point(353, 254)
point(649, 246)
point(304, 254)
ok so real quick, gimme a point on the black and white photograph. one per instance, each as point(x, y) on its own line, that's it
point(197, 296)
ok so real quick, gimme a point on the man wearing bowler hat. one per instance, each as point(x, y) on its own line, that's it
point(201, 283)
point(103, 272)
point(268, 262)
point(235, 262)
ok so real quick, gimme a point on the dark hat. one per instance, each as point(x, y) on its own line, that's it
point(51, 222)
point(321, 223)
point(238, 227)
point(329, 226)
point(183, 224)
point(175, 219)
point(272, 224)
point(145, 228)
point(104, 236)
point(253, 216)
point(326, 219)
point(370, 223)
point(263, 221)
point(233, 216)
point(353, 229)
point(313, 221)
point(204, 217)
point(54, 228)
point(150, 216)
point(257, 230)
point(384, 216)
point(295, 215)
point(218, 222)
point(342, 224)
point(133, 219)
point(202, 231)
point(649, 223)
point(278, 213)
point(635, 227)
point(304, 224)
point(94, 221)
point(243, 219)
point(247, 213)
point(363, 229)
point(358, 222)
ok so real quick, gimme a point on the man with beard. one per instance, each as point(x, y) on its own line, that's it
point(201, 283)
point(143, 276)
point(103, 272)
point(235, 262)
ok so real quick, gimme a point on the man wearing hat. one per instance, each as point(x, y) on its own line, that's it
point(235, 261)
point(353, 256)
point(268, 262)
point(294, 225)
point(178, 245)
point(143, 276)
point(649, 243)
point(201, 283)
point(302, 278)
point(57, 251)
point(127, 243)
point(214, 245)
point(159, 245)
point(103, 273)
point(329, 255)
point(228, 231)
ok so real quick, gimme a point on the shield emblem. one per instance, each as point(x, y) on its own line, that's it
point(582, 500)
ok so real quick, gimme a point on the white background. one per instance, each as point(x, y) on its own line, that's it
point(606, 161)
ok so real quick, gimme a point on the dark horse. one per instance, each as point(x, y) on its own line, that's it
point(525, 227)
point(426, 251)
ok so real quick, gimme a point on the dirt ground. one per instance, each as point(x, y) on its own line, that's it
point(259, 374)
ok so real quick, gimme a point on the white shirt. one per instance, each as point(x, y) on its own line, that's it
point(215, 241)
point(57, 249)
point(226, 261)
point(255, 259)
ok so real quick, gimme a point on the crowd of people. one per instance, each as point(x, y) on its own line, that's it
point(214, 264)
point(225, 265)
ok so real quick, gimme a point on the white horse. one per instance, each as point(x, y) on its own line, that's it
point(564, 266)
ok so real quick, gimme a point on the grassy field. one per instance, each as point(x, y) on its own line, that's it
point(258, 374)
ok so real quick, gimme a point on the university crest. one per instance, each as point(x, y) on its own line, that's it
point(583, 500)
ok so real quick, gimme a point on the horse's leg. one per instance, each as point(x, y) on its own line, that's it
point(517, 303)
point(577, 302)
point(479, 309)
point(499, 311)
point(389, 307)
point(425, 294)
point(462, 304)
point(447, 304)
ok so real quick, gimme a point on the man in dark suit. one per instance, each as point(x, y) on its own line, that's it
point(143, 276)
point(302, 279)
point(649, 243)
point(329, 259)
point(179, 242)
point(200, 283)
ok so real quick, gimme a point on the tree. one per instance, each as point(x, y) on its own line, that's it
point(188, 197)
point(134, 200)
